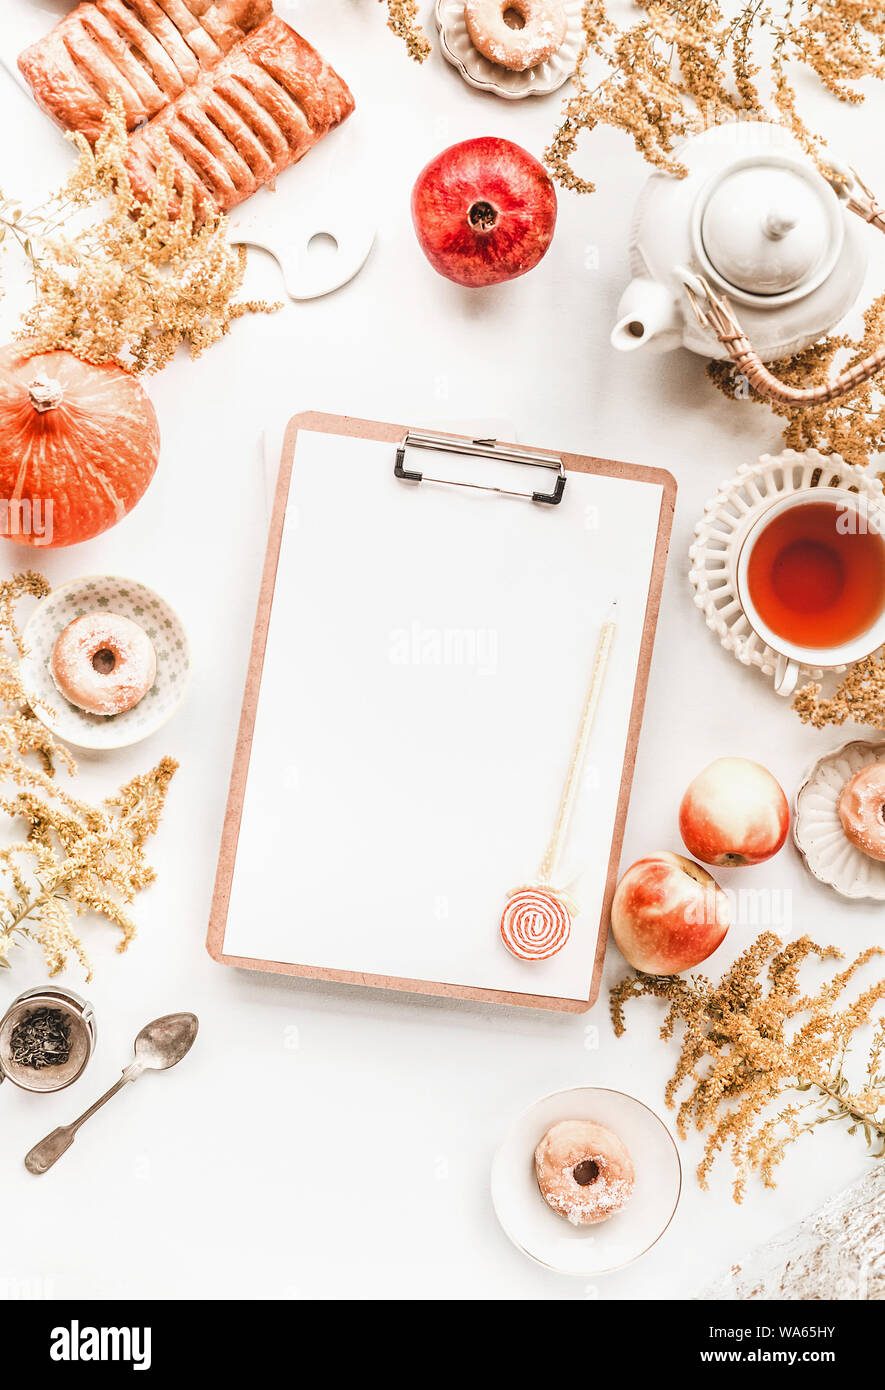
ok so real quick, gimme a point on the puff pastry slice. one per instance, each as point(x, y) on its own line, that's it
point(255, 112)
point(148, 51)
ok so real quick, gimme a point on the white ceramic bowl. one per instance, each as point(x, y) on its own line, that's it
point(817, 829)
point(587, 1250)
point(113, 594)
point(478, 71)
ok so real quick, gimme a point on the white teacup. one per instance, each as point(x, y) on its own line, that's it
point(858, 511)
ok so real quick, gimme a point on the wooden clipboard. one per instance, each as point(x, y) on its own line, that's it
point(350, 428)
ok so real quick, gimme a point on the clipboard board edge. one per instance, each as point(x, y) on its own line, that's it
point(402, 984)
point(355, 427)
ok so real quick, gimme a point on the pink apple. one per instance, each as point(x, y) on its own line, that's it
point(668, 914)
point(734, 813)
point(484, 211)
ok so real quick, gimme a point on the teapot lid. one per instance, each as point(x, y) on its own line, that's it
point(768, 227)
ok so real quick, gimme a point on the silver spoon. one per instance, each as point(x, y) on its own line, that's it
point(159, 1045)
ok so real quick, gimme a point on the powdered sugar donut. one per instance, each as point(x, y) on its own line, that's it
point(544, 27)
point(103, 663)
point(584, 1171)
point(862, 810)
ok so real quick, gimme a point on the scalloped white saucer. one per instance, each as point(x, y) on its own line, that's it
point(130, 599)
point(457, 48)
point(586, 1251)
point(720, 533)
point(817, 829)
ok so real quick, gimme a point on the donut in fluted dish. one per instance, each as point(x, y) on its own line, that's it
point(585, 1173)
point(103, 663)
point(862, 810)
point(544, 27)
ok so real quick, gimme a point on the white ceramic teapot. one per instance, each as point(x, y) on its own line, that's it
point(752, 255)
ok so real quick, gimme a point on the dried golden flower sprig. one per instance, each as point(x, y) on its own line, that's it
point(852, 426)
point(122, 280)
point(859, 697)
point(74, 857)
point(754, 1038)
point(689, 64)
point(402, 18)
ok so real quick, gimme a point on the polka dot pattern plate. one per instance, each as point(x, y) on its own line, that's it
point(111, 594)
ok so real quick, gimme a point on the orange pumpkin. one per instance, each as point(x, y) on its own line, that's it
point(79, 444)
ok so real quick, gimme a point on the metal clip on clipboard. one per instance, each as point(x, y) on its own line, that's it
point(480, 448)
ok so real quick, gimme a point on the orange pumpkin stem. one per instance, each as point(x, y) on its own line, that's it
point(45, 393)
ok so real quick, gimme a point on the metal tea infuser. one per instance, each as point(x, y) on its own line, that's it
point(79, 1017)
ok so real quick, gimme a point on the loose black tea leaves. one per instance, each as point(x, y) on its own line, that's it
point(41, 1039)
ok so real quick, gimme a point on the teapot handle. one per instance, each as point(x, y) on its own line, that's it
point(714, 311)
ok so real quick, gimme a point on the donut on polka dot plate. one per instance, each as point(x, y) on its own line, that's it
point(103, 663)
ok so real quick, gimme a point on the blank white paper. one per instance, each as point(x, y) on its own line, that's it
point(428, 657)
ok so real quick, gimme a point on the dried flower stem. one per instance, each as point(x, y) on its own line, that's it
point(75, 857)
point(689, 64)
point(135, 281)
point(859, 697)
point(848, 1109)
point(402, 19)
point(852, 426)
point(753, 1037)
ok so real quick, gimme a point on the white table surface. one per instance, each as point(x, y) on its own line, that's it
point(335, 1142)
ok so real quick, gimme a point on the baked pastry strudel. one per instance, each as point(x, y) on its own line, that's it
point(258, 110)
point(238, 95)
point(149, 51)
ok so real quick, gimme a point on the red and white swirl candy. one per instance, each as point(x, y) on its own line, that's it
point(535, 924)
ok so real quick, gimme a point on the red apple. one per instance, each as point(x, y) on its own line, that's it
point(668, 914)
point(734, 813)
point(484, 211)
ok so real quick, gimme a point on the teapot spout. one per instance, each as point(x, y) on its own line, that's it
point(647, 311)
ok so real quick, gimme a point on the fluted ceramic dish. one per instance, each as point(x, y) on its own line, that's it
point(587, 1251)
point(817, 829)
point(721, 531)
point(112, 594)
point(457, 47)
